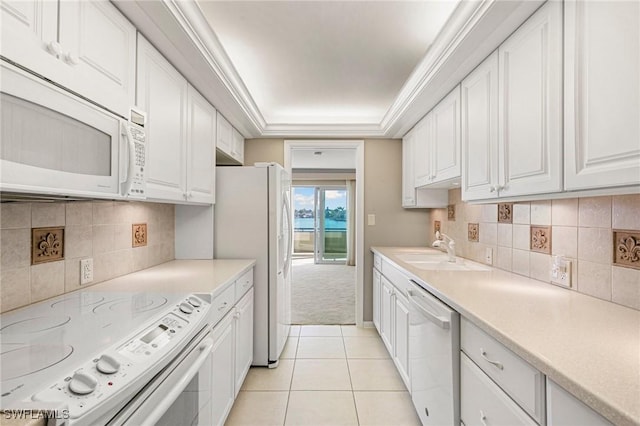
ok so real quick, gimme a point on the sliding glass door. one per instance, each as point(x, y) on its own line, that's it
point(331, 225)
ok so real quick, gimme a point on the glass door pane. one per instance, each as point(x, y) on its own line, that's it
point(304, 227)
point(332, 229)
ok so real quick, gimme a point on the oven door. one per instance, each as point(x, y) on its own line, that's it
point(54, 142)
point(180, 395)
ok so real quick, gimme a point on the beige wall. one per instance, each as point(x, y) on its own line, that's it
point(395, 226)
point(581, 230)
point(97, 229)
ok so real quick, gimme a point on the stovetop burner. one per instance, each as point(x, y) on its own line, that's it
point(134, 305)
point(78, 300)
point(40, 356)
point(35, 325)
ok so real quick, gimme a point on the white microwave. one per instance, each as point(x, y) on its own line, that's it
point(53, 142)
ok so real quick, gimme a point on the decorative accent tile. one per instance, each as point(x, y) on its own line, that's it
point(47, 245)
point(626, 248)
point(436, 226)
point(505, 213)
point(473, 232)
point(541, 239)
point(138, 234)
point(451, 212)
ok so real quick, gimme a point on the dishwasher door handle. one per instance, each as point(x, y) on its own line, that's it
point(441, 322)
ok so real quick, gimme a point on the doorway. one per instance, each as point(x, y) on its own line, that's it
point(328, 245)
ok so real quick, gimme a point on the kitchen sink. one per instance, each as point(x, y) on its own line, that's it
point(440, 262)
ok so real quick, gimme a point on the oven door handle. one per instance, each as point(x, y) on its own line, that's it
point(174, 393)
point(436, 319)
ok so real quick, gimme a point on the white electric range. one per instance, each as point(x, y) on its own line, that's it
point(94, 351)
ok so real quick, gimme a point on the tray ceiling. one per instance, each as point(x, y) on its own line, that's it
point(325, 62)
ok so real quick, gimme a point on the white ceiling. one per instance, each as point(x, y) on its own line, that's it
point(325, 62)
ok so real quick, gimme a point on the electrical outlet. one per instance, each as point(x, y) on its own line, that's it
point(561, 271)
point(488, 256)
point(86, 271)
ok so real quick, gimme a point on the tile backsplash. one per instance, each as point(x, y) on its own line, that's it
point(98, 229)
point(580, 229)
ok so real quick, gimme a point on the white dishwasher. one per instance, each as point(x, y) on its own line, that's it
point(434, 357)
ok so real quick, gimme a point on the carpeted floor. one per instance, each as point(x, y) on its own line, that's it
point(322, 294)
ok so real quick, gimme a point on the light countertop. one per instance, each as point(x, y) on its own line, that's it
point(185, 276)
point(588, 346)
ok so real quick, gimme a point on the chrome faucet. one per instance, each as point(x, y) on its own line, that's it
point(441, 240)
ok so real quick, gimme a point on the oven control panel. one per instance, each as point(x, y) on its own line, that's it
point(129, 364)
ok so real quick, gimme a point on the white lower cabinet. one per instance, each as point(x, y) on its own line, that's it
point(401, 335)
point(386, 313)
point(243, 327)
point(563, 409)
point(223, 375)
point(483, 403)
point(377, 284)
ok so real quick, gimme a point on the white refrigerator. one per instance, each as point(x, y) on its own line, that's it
point(252, 220)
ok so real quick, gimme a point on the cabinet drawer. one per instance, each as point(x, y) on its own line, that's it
point(244, 283)
point(483, 403)
point(520, 380)
point(223, 303)
point(377, 262)
point(395, 275)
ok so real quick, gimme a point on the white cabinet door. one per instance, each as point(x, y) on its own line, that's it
point(225, 135)
point(237, 151)
point(201, 159)
point(530, 105)
point(602, 94)
point(99, 47)
point(408, 170)
point(244, 338)
point(445, 146)
point(401, 337)
point(386, 314)
point(162, 93)
point(563, 409)
point(480, 131)
point(377, 287)
point(91, 52)
point(223, 377)
point(423, 135)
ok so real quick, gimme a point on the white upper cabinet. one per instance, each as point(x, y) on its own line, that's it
point(412, 197)
point(85, 46)
point(225, 134)
point(480, 131)
point(162, 93)
point(237, 151)
point(201, 149)
point(446, 138)
point(530, 106)
point(422, 161)
point(602, 94)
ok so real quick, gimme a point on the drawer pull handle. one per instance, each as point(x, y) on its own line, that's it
point(483, 418)
point(224, 305)
point(497, 364)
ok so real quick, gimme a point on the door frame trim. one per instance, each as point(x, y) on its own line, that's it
point(358, 146)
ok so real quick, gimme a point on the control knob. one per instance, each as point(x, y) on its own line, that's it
point(82, 383)
point(194, 301)
point(108, 364)
point(186, 308)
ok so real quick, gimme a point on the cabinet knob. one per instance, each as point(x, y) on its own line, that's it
point(71, 59)
point(54, 48)
point(493, 188)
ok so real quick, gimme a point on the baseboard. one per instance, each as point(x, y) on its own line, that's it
point(368, 324)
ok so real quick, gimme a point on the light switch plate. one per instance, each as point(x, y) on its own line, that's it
point(371, 219)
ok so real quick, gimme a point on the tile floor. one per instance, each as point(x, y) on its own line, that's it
point(328, 375)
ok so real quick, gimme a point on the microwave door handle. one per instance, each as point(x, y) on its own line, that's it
point(126, 184)
point(178, 387)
